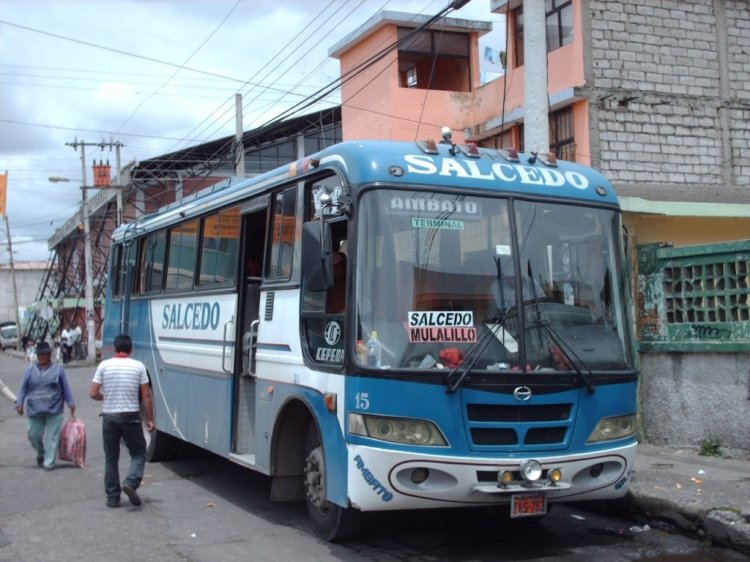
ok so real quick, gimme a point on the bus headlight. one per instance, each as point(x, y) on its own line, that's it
point(405, 431)
point(613, 428)
point(531, 470)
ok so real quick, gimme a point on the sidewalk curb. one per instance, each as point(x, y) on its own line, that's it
point(722, 526)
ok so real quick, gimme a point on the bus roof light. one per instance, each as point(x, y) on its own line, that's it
point(548, 159)
point(428, 146)
point(509, 154)
point(470, 149)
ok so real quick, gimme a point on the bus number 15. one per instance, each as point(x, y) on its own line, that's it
point(362, 400)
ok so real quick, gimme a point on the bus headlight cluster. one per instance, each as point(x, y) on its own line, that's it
point(404, 431)
point(613, 428)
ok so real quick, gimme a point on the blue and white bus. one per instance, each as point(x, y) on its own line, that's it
point(389, 326)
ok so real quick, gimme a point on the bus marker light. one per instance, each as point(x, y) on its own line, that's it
point(330, 401)
point(269, 389)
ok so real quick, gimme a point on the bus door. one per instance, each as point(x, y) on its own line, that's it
point(254, 222)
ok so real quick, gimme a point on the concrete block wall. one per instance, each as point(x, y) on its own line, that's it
point(660, 74)
point(687, 398)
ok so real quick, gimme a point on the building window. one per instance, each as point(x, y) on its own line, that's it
point(411, 77)
point(559, 22)
point(502, 140)
point(561, 135)
point(434, 60)
point(318, 139)
point(271, 156)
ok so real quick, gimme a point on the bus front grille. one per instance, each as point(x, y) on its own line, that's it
point(498, 425)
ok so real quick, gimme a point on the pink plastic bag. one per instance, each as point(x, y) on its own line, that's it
point(73, 442)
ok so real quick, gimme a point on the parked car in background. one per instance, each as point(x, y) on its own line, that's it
point(8, 335)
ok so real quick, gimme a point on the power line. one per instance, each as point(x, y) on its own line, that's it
point(182, 66)
point(119, 51)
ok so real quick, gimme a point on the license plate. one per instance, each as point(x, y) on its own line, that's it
point(528, 505)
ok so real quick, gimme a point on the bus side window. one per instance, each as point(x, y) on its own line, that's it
point(282, 235)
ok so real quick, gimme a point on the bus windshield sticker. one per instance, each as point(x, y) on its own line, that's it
point(442, 224)
point(443, 207)
point(442, 326)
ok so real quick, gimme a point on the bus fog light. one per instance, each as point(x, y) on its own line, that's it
point(419, 475)
point(504, 477)
point(596, 470)
point(555, 475)
point(531, 470)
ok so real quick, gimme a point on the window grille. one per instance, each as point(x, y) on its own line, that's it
point(694, 298)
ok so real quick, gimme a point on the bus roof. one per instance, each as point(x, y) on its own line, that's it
point(407, 164)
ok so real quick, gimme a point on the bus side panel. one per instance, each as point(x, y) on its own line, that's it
point(206, 419)
point(184, 349)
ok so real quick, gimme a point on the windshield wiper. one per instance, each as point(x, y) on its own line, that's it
point(559, 341)
point(476, 351)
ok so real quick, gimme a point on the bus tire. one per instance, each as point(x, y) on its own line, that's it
point(160, 446)
point(330, 522)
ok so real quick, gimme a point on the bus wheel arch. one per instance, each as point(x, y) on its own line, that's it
point(298, 470)
point(287, 452)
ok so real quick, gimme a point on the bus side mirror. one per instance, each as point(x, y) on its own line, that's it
point(317, 266)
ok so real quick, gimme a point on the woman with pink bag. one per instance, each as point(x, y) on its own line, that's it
point(45, 390)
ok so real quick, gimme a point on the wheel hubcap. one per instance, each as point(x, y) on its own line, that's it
point(315, 478)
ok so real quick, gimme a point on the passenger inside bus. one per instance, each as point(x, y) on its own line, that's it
point(337, 294)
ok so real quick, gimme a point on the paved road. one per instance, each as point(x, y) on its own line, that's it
point(208, 509)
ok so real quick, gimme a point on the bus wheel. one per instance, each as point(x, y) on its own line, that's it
point(160, 446)
point(329, 521)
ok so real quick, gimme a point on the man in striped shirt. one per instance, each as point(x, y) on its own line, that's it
point(122, 383)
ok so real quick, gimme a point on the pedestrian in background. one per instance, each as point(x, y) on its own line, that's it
point(66, 341)
point(77, 342)
point(45, 390)
point(119, 382)
point(6, 392)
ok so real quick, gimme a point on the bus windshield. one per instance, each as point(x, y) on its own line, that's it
point(444, 278)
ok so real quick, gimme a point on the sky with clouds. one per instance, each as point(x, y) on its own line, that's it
point(157, 76)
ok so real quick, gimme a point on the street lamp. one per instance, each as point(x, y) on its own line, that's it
point(90, 327)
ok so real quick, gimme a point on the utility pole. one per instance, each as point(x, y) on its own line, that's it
point(90, 323)
point(240, 148)
point(536, 114)
point(118, 172)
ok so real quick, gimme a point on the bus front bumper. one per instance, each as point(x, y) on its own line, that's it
point(386, 480)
